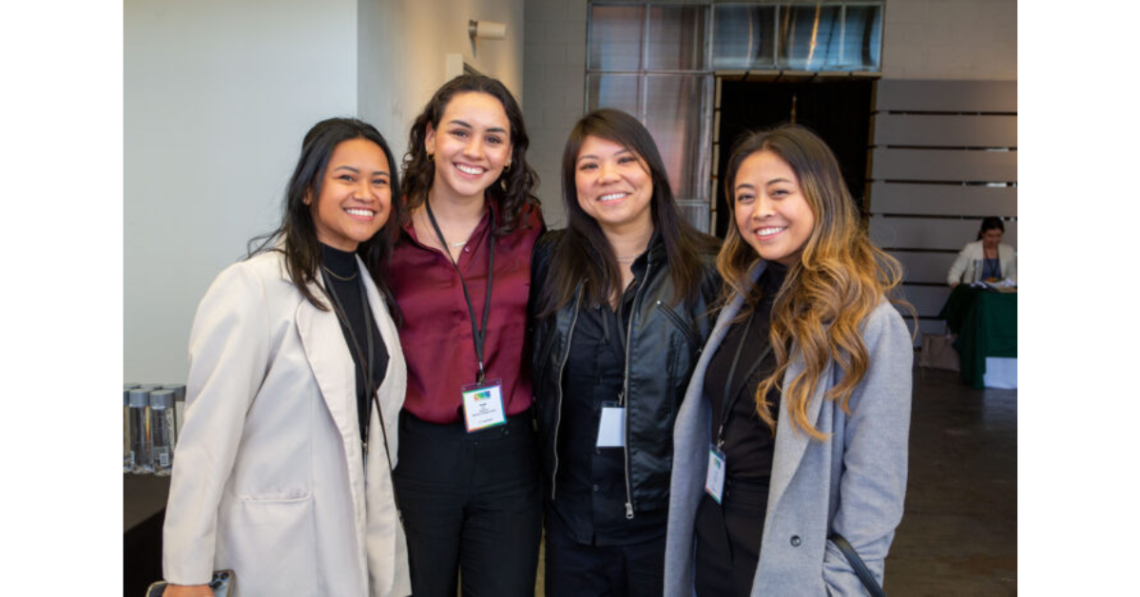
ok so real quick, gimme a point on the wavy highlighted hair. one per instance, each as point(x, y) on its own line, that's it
point(839, 280)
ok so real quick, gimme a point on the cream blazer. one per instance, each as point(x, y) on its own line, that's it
point(963, 268)
point(269, 478)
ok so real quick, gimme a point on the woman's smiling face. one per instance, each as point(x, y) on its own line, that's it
point(471, 146)
point(356, 195)
point(614, 186)
point(772, 214)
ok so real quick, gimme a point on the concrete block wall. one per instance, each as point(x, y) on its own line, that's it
point(554, 90)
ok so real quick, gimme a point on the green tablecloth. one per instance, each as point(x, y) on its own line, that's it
point(986, 324)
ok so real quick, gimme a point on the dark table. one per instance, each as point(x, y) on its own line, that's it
point(986, 324)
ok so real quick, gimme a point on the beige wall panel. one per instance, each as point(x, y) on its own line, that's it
point(946, 96)
point(944, 165)
point(931, 233)
point(945, 131)
point(924, 267)
point(943, 200)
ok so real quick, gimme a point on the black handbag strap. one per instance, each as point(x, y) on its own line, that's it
point(858, 566)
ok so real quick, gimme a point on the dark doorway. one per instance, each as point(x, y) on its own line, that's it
point(838, 110)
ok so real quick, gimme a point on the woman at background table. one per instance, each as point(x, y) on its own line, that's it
point(283, 468)
point(468, 475)
point(795, 422)
point(623, 297)
point(998, 261)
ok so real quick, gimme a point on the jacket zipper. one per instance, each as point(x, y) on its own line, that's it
point(623, 398)
point(558, 404)
point(685, 329)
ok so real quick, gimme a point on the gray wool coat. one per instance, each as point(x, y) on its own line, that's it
point(852, 483)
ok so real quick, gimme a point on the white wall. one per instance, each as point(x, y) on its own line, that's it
point(403, 49)
point(217, 94)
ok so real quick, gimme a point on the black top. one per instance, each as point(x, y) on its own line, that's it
point(342, 277)
point(592, 481)
point(749, 443)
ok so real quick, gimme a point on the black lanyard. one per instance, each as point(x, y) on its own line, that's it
point(365, 365)
point(478, 335)
point(729, 401)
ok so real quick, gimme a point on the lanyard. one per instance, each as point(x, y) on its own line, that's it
point(729, 401)
point(365, 365)
point(479, 336)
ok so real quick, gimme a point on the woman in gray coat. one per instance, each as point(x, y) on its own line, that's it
point(794, 426)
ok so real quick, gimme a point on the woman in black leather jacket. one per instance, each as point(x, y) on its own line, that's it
point(621, 306)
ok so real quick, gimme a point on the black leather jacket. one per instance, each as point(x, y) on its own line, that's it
point(664, 345)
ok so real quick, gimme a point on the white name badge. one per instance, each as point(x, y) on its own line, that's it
point(611, 427)
point(714, 482)
point(483, 405)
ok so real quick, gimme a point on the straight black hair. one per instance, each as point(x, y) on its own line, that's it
point(296, 237)
point(584, 254)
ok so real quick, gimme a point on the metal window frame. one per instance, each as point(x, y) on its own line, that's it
point(709, 77)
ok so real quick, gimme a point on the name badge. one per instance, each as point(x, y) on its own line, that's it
point(611, 427)
point(714, 482)
point(483, 405)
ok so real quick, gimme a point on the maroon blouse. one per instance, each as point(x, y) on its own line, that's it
point(436, 334)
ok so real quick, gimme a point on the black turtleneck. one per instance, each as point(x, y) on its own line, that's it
point(749, 442)
point(342, 276)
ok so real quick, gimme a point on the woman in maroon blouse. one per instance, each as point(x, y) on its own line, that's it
point(467, 477)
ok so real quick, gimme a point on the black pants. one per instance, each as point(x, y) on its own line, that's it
point(577, 570)
point(470, 502)
point(728, 540)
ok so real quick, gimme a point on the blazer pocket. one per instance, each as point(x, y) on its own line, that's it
point(270, 543)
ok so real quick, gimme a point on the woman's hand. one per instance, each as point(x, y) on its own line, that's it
point(188, 591)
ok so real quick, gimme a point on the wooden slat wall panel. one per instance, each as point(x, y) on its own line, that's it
point(931, 233)
point(925, 267)
point(927, 300)
point(946, 96)
point(943, 200)
point(945, 131)
point(944, 165)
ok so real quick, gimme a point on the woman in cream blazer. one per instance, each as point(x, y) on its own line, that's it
point(270, 476)
point(989, 241)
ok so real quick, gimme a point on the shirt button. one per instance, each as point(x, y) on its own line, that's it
point(596, 488)
point(796, 541)
point(466, 249)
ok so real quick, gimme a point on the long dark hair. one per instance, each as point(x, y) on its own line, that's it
point(990, 223)
point(298, 234)
point(584, 254)
point(514, 190)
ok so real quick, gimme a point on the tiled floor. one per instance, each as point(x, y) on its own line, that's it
point(959, 533)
